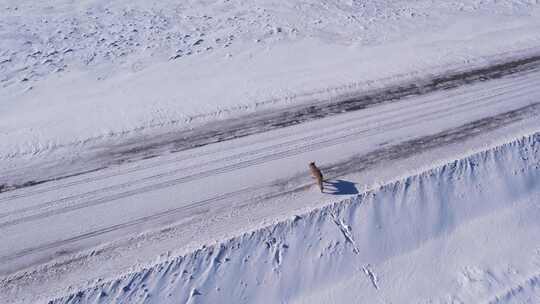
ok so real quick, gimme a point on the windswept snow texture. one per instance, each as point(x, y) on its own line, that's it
point(75, 73)
point(466, 232)
point(155, 151)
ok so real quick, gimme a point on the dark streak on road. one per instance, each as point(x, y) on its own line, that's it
point(370, 160)
point(426, 143)
point(144, 148)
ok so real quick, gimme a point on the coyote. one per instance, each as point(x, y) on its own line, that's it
point(317, 174)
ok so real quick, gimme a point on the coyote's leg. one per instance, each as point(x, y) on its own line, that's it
point(320, 182)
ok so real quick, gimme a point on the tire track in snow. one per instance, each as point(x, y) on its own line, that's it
point(138, 221)
point(419, 106)
point(397, 113)
point(263, 122)
point(436, 114)
point(402, 150)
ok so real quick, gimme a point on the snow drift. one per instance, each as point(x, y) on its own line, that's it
point(461, 233)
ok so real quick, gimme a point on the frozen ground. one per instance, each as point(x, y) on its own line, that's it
point(157, 152)
point(466, 232)
point(121, 219)
point(78, 72)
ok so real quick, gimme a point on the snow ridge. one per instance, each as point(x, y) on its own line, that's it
point(301, 259)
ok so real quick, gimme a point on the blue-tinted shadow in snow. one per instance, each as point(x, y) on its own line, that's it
point(340, 187)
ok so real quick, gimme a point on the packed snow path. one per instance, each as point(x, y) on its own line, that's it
point(189, 191)
point(137, 136)
point(143, 147)
point(465, 232)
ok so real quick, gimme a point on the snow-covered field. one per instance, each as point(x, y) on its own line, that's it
point(156, 152)
point(77, 72)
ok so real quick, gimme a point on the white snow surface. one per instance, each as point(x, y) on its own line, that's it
point(78, 72)
point(104, 228)
point(238, 221)
point(465, 232)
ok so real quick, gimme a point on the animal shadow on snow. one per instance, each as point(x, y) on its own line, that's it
point(340, 187)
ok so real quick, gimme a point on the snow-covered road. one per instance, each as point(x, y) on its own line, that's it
point(112, 152)
point(178, 201)
point(157, 152)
